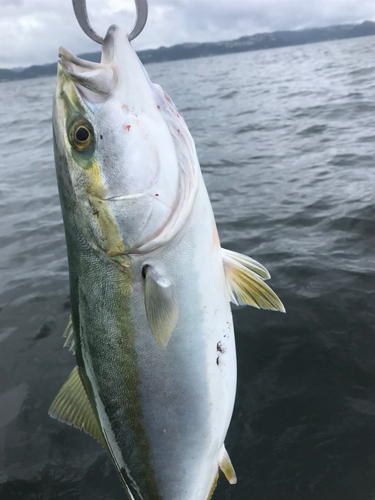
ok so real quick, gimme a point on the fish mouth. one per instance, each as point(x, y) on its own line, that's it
point(76, 64)
point(119, 70)
point(94, 81)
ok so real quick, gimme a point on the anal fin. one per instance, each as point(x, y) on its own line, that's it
point(213, 486)
point(244, 278)
point(226, 466)
point(72, 406)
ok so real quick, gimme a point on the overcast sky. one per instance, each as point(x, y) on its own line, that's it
point(31, 31)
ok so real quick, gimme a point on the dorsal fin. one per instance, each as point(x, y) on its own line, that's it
point(72, 406)
point(161, 306)
point(244, 277)
point(226, 466)
point(69, 335)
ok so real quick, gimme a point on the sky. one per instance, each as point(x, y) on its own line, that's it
point(31, 31)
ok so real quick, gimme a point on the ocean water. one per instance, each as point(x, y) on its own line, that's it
point(286, 141)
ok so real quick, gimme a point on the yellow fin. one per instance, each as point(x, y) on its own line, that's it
point(247, 262)
point(227, 467)
point(213, 486)
point(161, 306)
point(245, 284)
point(72, 406)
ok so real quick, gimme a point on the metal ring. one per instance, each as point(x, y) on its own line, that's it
point(80, 11)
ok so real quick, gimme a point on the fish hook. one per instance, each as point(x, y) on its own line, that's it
point(80, 11)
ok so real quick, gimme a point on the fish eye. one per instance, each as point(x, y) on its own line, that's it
point(81, 135)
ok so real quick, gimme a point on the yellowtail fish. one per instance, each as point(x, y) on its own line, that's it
point(151, 322)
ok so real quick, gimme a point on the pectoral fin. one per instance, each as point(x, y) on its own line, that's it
point(73, 407)
point(161, 306)
point(244, 277)
point(227, 467)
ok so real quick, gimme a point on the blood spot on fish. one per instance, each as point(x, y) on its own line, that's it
point(156, 195)
point(127, 127)
point(158, 106)
point(178, 131)
point(124, 106)
point(220, 347)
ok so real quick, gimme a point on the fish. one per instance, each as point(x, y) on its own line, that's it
point(151, 322)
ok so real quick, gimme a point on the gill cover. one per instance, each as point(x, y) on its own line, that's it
point(146, 170)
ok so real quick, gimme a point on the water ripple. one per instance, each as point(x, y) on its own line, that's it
point(286, 143)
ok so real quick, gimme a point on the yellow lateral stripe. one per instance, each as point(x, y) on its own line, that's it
point(97, 193)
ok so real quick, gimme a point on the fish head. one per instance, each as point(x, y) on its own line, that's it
point(126, 163)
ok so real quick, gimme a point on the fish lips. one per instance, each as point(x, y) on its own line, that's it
point(93, 81)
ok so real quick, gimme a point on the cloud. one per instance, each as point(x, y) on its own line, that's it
point(31, 31)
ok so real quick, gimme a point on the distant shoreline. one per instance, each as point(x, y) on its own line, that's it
point(259, 41)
